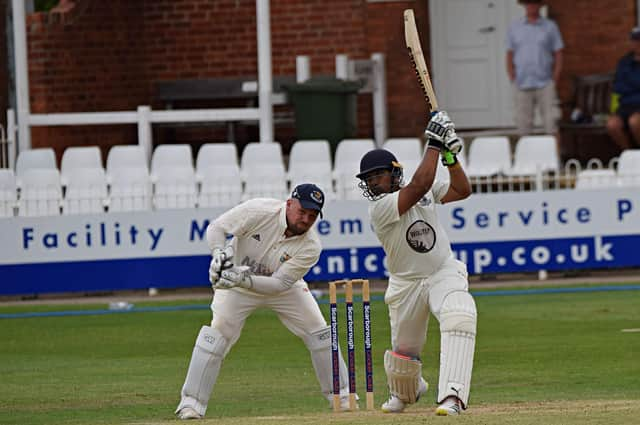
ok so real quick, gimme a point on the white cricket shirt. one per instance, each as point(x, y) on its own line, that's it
point(258, 226)
point(415, 243)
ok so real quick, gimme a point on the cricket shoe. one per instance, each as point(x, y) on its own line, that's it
point(188, 413)
point(449, 407)
point(395, 405)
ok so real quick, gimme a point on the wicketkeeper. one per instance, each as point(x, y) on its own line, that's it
point(274, 245)
point(424, 276)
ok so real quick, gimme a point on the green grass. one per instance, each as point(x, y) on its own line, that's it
point(553, 358)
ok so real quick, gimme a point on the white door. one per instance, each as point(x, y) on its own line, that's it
point(468, 60)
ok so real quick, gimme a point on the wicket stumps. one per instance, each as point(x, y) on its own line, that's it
point(351, 361)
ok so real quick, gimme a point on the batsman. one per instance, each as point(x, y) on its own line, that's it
point(424, 276)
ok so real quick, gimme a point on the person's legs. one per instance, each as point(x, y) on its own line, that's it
point(523, 103)
point(546, 98)
point(453, 306)
point(616, 129)
point(230, 310)
point(634, 129)
point(408, 316)
point(299, 312)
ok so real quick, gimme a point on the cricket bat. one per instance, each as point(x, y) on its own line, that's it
point(417, 59)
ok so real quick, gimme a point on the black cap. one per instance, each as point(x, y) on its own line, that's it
point(310, 196)
point(377, 159)
point(635, 34)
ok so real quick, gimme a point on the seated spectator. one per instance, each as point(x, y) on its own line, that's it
point(624, 124)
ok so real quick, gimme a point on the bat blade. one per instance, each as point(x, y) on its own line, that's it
point(414, 47)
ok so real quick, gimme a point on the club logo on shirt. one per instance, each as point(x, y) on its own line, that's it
point(421, 237)
point(284, 257)
point(256, 237)
point(425, 201)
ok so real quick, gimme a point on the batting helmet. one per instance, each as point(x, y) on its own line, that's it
point(378, 160)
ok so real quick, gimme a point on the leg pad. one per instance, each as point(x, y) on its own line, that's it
point(403, 376)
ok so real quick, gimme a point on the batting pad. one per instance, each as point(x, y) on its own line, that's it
point(319, 345)
point(204, 367)
point(458, 319)
point(403, 376)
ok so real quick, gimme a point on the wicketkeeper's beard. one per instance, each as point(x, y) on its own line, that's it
point(295, 229)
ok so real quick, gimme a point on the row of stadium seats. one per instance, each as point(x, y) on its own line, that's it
point(82, 185)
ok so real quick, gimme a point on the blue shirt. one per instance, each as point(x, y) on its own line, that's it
point(533, 45)
point(627, 80)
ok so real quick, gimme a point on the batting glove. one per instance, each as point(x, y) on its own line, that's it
point(221, 259)
point(438, 126)
point(452, 142)
point(235, 276)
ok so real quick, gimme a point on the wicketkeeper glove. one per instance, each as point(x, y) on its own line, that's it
point(221, 259)
point(448, 158)
point(235, 276)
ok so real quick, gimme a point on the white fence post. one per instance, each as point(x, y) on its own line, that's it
point(539, 179)
point(303, 69)
point(263, 19)
point(21, 73)
point(11, 137)
point(342, 67)
point(379, 99)
point(145, 138)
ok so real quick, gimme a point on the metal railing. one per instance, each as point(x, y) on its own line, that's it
point(563, 178)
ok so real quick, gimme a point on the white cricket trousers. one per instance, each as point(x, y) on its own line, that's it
point(411, 301)
point(296, 308)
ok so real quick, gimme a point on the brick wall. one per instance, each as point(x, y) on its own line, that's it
point(86, 59)
point(102, 56)
point(596, 34)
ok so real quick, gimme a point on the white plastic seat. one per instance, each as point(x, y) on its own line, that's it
point(409, 152)
point(310, 151)
point(533, 154)
point(258, 154)
point(86, 191)
point(596, 179)
point(347, 165)
point(175, 187)
point(221, 186)
point(262, 170)
point(629, 168)
point(316, 173)
point(267, 180)
point(130, 190)
point(34, 158)
point(406, 149)
point(125, 156)
point(213, 155)
point(488, 156)
point(79, 157)
point(8, 194)
point(173, 156)
point(41, 193)
point(310, 162)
